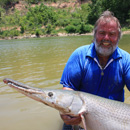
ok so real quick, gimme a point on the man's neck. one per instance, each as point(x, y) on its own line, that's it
point(103, 60)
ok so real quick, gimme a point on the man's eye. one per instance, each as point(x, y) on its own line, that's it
point(102, 33)
point(112, 34)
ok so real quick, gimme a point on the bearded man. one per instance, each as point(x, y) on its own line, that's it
point(101, 68)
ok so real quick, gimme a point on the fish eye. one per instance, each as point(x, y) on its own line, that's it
point(50, 94)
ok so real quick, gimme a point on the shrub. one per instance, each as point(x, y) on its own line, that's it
point(76, 22)
point(81, 28)
point(22, 29)
point(38, 32)
point(62, 22)
point(33, 1)
point(86, 28)
point(49, 29)
point(10, 33)
point(14, 32)
point(41, 15)
point(71, 29)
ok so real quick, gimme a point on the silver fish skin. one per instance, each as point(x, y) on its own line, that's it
point(98, 113)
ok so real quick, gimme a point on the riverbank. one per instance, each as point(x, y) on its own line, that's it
point(47, 35)
point(51, 35)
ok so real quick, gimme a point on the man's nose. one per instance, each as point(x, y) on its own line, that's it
point(106, 37)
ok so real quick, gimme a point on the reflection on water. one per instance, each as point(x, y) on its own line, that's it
point(38, 63)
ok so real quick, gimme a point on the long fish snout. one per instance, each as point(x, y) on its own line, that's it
point(5, 81)
point(22, 87)
point(64, 101)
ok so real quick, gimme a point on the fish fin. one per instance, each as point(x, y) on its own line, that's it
point(83, 121)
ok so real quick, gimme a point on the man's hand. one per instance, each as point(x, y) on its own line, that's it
point(68, 120)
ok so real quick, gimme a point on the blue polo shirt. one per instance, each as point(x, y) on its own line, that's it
point(84, 73)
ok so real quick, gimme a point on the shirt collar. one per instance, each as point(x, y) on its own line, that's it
point(92, 52)
point(116, 54)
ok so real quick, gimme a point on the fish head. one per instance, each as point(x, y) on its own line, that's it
point(67, 102)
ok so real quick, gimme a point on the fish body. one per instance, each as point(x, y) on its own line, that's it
point(98, 113)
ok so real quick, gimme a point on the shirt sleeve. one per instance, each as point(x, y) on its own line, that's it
point(126, 71)
point(72, 74)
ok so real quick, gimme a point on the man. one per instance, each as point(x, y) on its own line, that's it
point(101, 68)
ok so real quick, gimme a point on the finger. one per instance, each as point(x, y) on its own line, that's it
point(65, 117)
point(72, 120)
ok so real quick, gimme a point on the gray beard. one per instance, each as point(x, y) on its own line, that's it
point(104, 51)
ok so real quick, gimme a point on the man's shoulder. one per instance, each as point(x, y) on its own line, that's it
point(123, 53)
point(84, 48)
point(125, 57)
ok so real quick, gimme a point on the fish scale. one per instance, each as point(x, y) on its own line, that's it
point(106, 114)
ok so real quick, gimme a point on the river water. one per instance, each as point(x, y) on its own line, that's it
point(39, 63)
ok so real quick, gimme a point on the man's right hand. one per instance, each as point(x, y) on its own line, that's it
point(68, 120)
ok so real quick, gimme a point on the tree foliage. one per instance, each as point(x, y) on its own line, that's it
point(38, 17)
point(120, 8)
point(96, 10)
point(8, 3)
point(33, 1)
point(42, 19)
point(41, 15)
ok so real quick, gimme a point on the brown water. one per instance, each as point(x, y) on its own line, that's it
point(38, 63)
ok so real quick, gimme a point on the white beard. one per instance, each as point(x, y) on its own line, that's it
point(104, 51)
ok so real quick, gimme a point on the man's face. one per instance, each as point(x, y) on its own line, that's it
point(106, 38)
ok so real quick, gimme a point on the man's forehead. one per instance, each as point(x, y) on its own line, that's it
point(106, 22)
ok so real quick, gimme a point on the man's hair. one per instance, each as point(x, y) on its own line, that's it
point(107, 16)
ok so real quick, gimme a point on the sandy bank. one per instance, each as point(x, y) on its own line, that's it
point(51, 35)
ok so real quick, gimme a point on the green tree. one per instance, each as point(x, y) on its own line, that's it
point(71, 29)
point(33, 1)
point(120, 8)
point(38, 32)
point(85, 28)
point(96, 10)
point(41, 15)
point(8, 3)
point(49, 29)
point(1, 11)
point(82, 13)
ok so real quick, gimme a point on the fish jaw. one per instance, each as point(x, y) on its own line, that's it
point(67, 102)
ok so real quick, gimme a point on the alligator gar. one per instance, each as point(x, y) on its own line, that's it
point(97, 113)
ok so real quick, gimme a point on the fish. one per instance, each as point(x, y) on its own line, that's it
point(97, 113)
